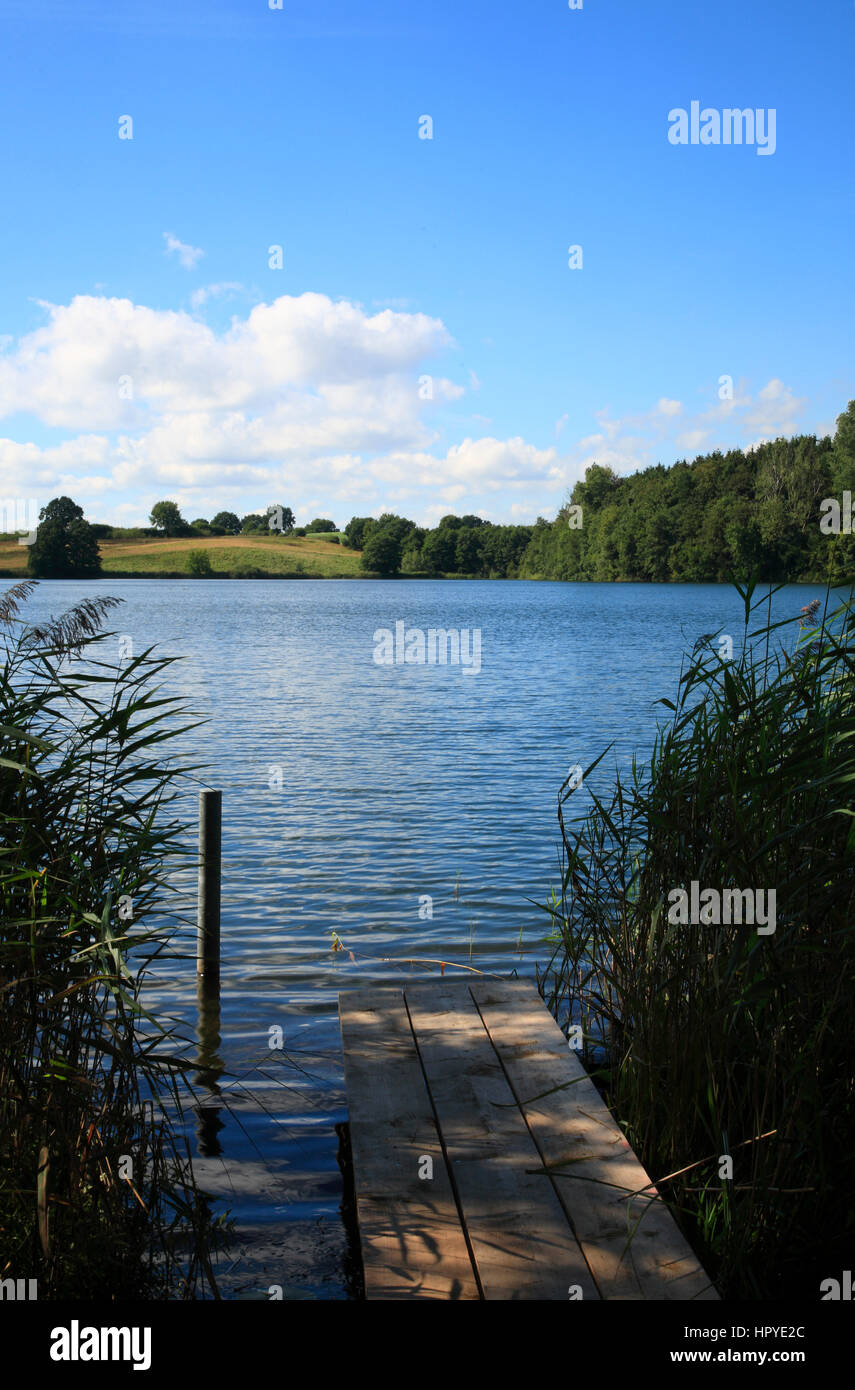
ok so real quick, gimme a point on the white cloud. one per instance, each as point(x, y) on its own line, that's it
point(201, 296)
point(692, 440)
point(775, 409)
point(187, 255)
point(29, 464)
point(304, 355)
point(501, 462)
point(304, 397)
point(300, 393)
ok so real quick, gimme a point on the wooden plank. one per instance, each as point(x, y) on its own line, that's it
point(575, 1124)
point(412, 1239)
point(521, 1240)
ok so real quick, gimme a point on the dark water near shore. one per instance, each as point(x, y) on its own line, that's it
point(353, 791)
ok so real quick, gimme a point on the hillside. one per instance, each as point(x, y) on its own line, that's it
point(231, 557)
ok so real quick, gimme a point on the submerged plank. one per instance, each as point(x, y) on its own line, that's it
point(412, 1239)
point(574, 1128)
point(521, 1240)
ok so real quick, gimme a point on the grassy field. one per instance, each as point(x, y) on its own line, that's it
point(276, 557)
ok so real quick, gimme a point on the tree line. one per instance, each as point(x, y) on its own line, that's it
point(724, 515)
point(166, 519)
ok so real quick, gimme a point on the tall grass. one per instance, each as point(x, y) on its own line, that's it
point(97, 1195)
point(714, 1040)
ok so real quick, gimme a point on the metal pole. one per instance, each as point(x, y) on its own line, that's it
point(208, 935)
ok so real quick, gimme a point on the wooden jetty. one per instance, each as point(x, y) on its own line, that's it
point(535, 1192)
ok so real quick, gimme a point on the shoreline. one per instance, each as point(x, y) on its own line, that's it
point(17, 576)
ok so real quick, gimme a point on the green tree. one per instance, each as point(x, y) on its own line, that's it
point(503, 548)
point(439, 549)
point(382, 552)
point(66, 546)
point(168, 519)
point(280, 519)
point(411, 559)
point(357, 529)
point(400, 526)
point(844, 448)
point(253, 523)
point(321, 523)
point(198, 563)
point(228, 522)
point(599, 484)
point(838, 552)
point(467, 551)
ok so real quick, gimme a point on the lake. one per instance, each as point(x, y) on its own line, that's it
point(409, 809)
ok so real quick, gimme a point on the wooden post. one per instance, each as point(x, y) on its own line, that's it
point(208, 936)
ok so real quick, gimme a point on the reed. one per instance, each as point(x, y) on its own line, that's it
point(97, 1194)
point(714, 1040)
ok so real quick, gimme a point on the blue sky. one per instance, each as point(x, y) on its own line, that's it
point(145, 262)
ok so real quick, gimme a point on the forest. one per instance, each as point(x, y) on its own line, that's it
point(718, 517)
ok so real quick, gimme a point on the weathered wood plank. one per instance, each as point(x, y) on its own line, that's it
point(574, 1124)
point(519, 1234)
point(412, 1239)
